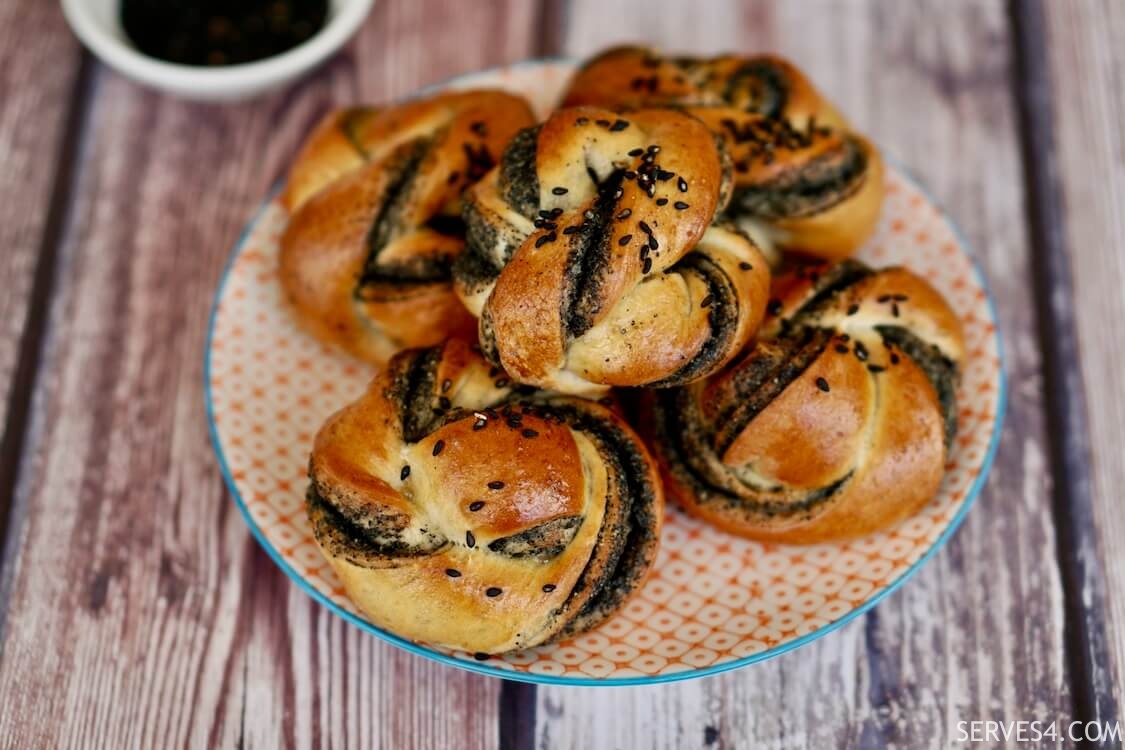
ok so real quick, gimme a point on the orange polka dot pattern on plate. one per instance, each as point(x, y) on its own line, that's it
point(712, 599)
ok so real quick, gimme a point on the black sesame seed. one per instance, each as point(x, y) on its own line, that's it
point(625, 214)
point(662, 201)
point(884, 299)
point(860, 351)
point(894, 359)
point(453, 573)
point(492, 591)
point(444, 402)
point(822, 384)
point(647, 265)
point(545, 238)
point(664, 175)
point(630, 175)
point(446, 385)
point(645, 227)
point(653, 243)
point(480, 424)
point(573, 229)
point(438, 446)
point(603, 123)
point(899, 297)
point(618, 126)
point(745, 266)
point(625, 240)
point(845, 337)
point(470, 540)
point(480, 655)
point(842, 349)
point(501, 383)
point(496, 485)
point(876, 368)
point(548, 588)
point(453, 177)
point(636, 152)
point(559, 191)
point(853, 309)
point(476, 505)
point(894, 309)
point(774, 307)
point(616, 194)
point(707, 301)
point(402, 475)
point(654, 149)
point(680, 205)
point(682, 185)
point(530, 433)
point(479, 128)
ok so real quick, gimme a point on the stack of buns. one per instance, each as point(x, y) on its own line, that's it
point(649, 292)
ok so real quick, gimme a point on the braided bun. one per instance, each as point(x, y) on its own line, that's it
point(803, 179)
point(467, 513)
point(837, 423)
point(374, 197)
point(592, 260)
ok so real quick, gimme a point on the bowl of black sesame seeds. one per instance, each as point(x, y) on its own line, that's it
point(214, 49)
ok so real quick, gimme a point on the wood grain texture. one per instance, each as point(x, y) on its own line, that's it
point(142, 614)
point(978, 633)
point(36, 83)
point(1086, 62)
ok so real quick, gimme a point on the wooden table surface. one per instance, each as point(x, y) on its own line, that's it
point(137, 611)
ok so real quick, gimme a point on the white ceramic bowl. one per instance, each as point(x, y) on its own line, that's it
point(98, 24)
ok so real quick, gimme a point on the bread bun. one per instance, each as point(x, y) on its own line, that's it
point(592, 259)
point(466, 512)
point(835, 424)
point(803, 180)
point(374, 198)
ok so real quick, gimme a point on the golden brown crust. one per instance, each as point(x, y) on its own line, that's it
point(803, 180)
point(374, 197)
point(592, 259)
point(834, 425)
point(462, 512)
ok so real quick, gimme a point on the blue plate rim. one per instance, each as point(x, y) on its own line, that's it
point(508, 674)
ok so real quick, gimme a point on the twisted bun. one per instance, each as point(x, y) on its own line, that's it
point(803, 179)
point(592, 260)
point(835, 424)
point(467, 513)
point(374, 198)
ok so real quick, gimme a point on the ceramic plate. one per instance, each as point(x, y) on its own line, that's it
point(713, 602)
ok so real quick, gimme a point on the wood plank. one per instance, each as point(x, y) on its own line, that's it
point(979, 632)
point(1086, 65)
point(142, 613)
point(36, 83)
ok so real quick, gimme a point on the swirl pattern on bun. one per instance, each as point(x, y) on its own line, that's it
point(835, 424)
point(464, 511)
point(803, 180)
point(375, 198)
point(592, 257)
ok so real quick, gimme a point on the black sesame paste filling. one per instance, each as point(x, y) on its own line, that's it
point(939, 370)
point(722, 315)
point(635, 545)
point(758, 86)
point(414, 392)
point(588, 259)
point(519, 176)
point(387, 226)
point(808, 189)
point(543, 542)
point(370, 540)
